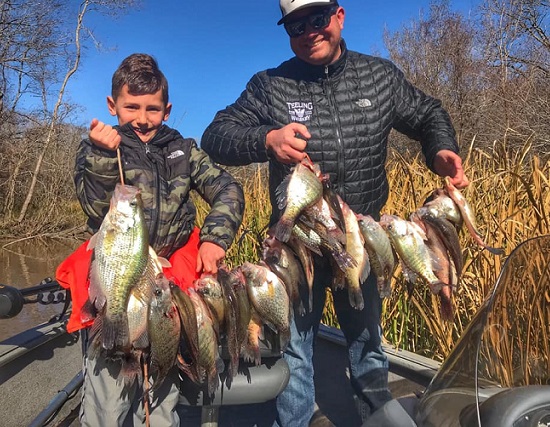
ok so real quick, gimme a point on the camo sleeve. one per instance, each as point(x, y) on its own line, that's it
point(95, 177)
point(224, 195)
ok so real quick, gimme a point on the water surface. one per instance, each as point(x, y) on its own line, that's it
point(25, 264)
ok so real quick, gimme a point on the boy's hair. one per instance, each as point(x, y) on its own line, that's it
point(142, 75)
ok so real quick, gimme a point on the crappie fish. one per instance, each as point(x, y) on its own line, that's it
point(305, 257)
point(332, 199)
point(409, 243)
point(381, 256)
point(468, 216)
point(164, 328)
point(120, 254)
point(236, 280)
point(448, 234)
point(443, 268)
point(211, 292)
point(251, 350)
point(321, 212)
point(208, 361)
point(282, 261)
point(317, 238)
point(441, 205)
point(189, 345)
point(355, 246)
point(231, 314)
point(140, 298)
point(268, 296)
point(300, 189)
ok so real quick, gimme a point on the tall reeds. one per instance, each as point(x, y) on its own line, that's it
point(510, 195)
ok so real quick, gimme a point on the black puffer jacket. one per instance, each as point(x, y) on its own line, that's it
point(348, 107)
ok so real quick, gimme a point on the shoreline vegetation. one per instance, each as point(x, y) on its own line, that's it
point(489, 67)
point(509, 193)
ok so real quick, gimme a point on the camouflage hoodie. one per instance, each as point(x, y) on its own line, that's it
point(165, 170)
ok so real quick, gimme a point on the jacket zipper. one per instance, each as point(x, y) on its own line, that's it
point(336, 121)
point(156, 208)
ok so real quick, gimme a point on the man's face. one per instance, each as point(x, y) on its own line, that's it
point(318, 46)
point(145, 113)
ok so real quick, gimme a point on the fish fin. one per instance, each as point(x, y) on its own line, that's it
point(365, 270)
point(88, 311)
point(343, 259)
point(356, 298)
point(92, 242)
point(164, 263)
point(281, 192)
point(408, 273)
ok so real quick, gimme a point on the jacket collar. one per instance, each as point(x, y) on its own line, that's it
point(163, 135)
point(319, 71)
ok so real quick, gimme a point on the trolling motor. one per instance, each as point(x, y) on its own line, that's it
point(12, 299)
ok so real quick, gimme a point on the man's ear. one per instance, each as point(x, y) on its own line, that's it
point(167, 111)
point(111, 105)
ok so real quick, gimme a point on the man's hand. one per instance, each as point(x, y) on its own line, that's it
point(448, 163)
point(288, 144)
point(209, 258)
point(104, 136)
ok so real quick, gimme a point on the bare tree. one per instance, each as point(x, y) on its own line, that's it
point(437, 53)
point(38, 57)
point(516, 42)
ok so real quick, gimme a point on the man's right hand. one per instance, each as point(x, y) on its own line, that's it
point(288, 144)
point(104, 136)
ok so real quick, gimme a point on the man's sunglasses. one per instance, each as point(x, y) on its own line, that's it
point(317, 21)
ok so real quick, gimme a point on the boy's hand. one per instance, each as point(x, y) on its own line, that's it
point(104, 136)
point(210, 256)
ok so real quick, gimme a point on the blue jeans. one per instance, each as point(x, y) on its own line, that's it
point(368, 363)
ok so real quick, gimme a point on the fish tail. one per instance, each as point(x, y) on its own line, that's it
point(356, 298)
point(446, 306)
point(384, 287)
point(251, 353)
point(284, 337)
point(494, 251)
point(437, 287)
point(283, 229)
point(130, 370)
point(114, 332)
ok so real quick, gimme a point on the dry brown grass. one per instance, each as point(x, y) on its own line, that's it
point(510, 194)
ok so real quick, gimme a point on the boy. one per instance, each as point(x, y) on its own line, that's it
point(165, 167)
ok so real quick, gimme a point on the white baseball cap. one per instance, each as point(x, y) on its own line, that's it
point(289, 6)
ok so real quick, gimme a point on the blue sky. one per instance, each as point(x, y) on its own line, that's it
point(208, 50)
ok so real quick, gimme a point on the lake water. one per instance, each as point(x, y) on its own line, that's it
point(25, 264)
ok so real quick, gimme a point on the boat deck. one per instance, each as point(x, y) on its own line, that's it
point(47, 375)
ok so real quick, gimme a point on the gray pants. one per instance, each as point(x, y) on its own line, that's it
point(107, 403)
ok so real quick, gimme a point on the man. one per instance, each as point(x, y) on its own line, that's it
point(338, 106)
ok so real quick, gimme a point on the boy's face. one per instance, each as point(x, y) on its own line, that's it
point(144, 112)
